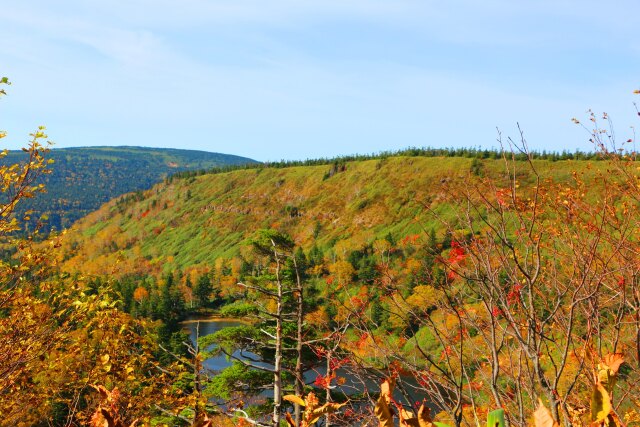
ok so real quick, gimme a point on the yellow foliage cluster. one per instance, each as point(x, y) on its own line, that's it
point(56, 337)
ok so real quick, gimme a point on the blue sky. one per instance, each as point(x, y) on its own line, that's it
point(295, 79)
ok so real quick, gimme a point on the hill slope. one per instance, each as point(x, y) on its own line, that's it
point(82, 179)
point(194, 221)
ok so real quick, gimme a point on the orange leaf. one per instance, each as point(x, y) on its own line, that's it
point(290, 421)
point(613, 361)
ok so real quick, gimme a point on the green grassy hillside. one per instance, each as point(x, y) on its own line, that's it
point(198, 219)
point(82, 179)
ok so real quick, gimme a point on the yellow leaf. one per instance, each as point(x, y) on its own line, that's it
point(294, 399)
point(600, 404)
point(327, 408)
point(632, 417)
point(608, 371)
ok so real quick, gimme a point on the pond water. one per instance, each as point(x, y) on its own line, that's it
point(207, 327)
point(352, 383)
point(217, 363)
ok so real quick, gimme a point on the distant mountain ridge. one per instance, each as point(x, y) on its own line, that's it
point(83, 178)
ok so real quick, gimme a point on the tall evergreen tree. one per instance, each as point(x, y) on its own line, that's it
point(202, 290)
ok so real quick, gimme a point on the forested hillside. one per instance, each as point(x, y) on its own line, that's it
point(197, 220)
point(85, 178)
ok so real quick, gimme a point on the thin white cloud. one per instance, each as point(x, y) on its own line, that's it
point(119, 71)
point(128, 30)
point(130, 46)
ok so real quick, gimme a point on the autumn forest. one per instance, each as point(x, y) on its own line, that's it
point(412, 288)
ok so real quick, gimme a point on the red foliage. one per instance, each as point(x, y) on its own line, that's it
point(448, 351)
point(410, 240)
point(362, 341)
point(319, 351)
point(502, 195)
point(514, 294)
point(457, 253)
point(336, 363)
point(322, 381)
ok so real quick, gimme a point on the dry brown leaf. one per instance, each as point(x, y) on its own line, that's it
point(101, 418)
point(542, 416)
point(104, 393)
point(382, 409)
point(407, 419)
point(576, 415)
point(202, 420)
point(106, 415)
point(424, 416)
point(386, 388)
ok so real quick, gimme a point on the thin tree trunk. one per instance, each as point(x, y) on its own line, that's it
point(299, 372)
point(199, 411)
point(328, 390)
point(277, 375)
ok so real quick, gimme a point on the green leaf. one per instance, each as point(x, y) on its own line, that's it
point(496, 418)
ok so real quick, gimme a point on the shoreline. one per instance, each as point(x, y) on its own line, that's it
point(214, 318)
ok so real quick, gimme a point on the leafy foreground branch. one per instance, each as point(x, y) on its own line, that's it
point(312, 409)
point(387, 410)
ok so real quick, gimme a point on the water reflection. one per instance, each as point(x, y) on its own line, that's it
point(351, 383)
point(209, 326)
